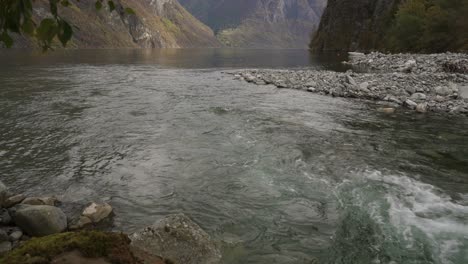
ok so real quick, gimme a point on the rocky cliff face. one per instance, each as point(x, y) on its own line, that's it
point(260, 23)
point(354, 25)
point(157, 24)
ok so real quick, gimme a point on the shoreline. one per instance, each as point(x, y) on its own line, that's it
point(419, 82)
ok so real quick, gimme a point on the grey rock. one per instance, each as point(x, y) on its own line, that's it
point(52, 201)
point(387, 110)
point(179, 239)
point(40, 220)
point(453, 87)
point(249, 77)
point(463, 92)
point(411, 104)
point(5, 217)
point(418, 97)
point(422, 108)
point(443, 90)
point(97, 212)
point(410, 89)
point(80, 223)
point(5, 246)
point(350, 80)
point(311, 89)
point(3, 194)
point(409, 66)
point(16, 235)
point(4, 236)
point(14, 200)
point(439, 98)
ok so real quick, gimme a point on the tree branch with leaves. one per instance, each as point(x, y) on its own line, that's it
point(16, 17)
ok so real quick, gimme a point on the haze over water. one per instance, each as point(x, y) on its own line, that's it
point(277, 175)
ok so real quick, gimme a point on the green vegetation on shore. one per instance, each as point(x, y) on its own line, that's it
point(430, 26)
point(111, 246)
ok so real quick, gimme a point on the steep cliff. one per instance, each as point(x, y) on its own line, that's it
point(260, 23)
point(354, 25)
point(157, 24)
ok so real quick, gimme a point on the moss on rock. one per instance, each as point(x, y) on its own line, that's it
point(113, 247)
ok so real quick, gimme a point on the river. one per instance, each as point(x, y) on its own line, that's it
point(276, 175)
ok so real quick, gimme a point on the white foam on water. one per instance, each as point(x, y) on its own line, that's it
point(414, 204)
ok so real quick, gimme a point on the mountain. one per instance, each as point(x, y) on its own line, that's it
point(156, 24)
point(260, 23)
point(354, 25)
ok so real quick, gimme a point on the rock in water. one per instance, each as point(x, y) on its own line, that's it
point(40, 201)
point(179, 239)
point(40, 220)
point(14, 200)
point(3, 193)
point(421, 108)
point(97, 212)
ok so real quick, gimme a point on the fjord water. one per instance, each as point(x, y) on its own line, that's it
point(276, 175)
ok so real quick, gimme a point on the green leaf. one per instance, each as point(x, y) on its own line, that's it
point(98, 5)
point(111, 5)
point(129, 11)
point(6, 39)
point(28, 27)
point(65, 32)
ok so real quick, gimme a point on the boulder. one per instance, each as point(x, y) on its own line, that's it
point(4, 236)
point(5, 217)
point(463, 92)
point(409, 66)
point(40, 220)
point(40, 201)
point(179, 239)
point(16, 235)
point(82, 222)
point(97, 212)
point(421, 108)
point(14, 200)
point(410, 104)
point(350, 80)
point(443, 90)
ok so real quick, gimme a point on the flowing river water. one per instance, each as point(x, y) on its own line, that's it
point(276, 175)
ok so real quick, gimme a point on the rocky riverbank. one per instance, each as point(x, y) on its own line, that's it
point(37, 230)
point(424, 83)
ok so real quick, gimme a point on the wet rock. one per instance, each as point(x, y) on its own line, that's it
point(5, 246)
point(40, 220)
point(97, 212)
point(311, 89)
point(3, 194)
point(16, 235)
point(82, 222)
point(4, 236)
point(5, 217)
point(418, 97)
point(422, 108)
point(52, 201)
point(14, 200)
point(179, 239)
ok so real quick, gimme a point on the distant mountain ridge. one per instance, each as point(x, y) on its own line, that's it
point(260, 23)
point(157, 24)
